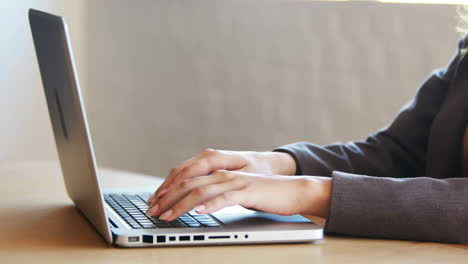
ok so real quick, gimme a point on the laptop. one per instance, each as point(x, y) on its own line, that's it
point(119, 214)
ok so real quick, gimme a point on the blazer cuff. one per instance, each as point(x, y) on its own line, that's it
point(294, 156)
point(344, 212)
point(365, 206)
point(307, 162)
point(421, 209)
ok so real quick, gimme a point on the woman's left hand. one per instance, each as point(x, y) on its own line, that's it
point(283, 195)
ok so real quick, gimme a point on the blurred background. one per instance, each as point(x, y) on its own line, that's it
point(163, 80)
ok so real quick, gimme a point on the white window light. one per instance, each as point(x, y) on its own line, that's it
point(452, 2)
point(445, 2)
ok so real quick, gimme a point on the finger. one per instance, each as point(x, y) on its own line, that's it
point(210, 162)
point(157, 196)
point(151, 198)
point(169, 187)
point(183, 165)
point(206, 162)
point(223, 200)
point(199, 196)
point(154, 198)
point(172, 172)
point(182, 190)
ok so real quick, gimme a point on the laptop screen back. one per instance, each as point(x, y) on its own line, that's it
point(67, 115)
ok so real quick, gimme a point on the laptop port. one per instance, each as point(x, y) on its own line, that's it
point(133, 239)
point(172, 238)
point(148, 239)
point(161, 239)
point(219, 237)
point(184, 238)
point(112, 223)
point(198, 237)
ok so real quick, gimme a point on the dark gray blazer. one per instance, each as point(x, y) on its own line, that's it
point(402, 182)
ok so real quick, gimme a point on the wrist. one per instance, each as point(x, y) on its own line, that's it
point(282, 163)
point(316, 193)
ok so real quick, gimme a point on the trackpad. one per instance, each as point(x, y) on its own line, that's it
point(238, 215)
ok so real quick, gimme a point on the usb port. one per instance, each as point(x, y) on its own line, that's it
point(184, 238)
point(198, 237)
point(161, 239)
point(148, 239)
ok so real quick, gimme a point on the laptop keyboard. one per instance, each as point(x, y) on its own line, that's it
point(132, 208)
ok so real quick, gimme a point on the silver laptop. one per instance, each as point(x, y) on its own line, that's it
point(119, 215)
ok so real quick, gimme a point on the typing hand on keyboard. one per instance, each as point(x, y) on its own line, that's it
point(283, 195)
point(132, 208)
point(210, 160)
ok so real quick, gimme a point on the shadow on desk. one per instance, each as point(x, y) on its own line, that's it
point(47, 227)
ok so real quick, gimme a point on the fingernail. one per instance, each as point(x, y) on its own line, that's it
point(200, 208)
point(150, 199)
point(166, 215)
point(148, 214)
point(162, 192)
point(153, 210)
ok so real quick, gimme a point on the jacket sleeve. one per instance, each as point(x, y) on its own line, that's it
point(421, 209)
point(395, 201)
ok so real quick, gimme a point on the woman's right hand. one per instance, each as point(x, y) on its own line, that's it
point(209, 160)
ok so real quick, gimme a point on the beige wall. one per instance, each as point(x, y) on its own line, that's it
point(164, 79)
point(168, 78)
point(25, 132)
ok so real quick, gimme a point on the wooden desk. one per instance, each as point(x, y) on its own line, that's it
point(39, 224)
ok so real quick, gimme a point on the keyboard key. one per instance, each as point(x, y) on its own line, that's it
point(193, 224)
point(201, 217)
point(135, 226)
point(142, 217)
point(163, 225)
point(133, 213)
point(155, 220)
point(146, 222)
point(205, 221)
point(177, 223)
point(190, 222)
point(146, 226)
point(186, 218)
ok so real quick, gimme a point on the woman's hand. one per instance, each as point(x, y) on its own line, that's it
point(284, 195)
point(209, 161)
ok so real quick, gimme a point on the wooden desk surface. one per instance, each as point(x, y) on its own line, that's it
point(39, 224)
